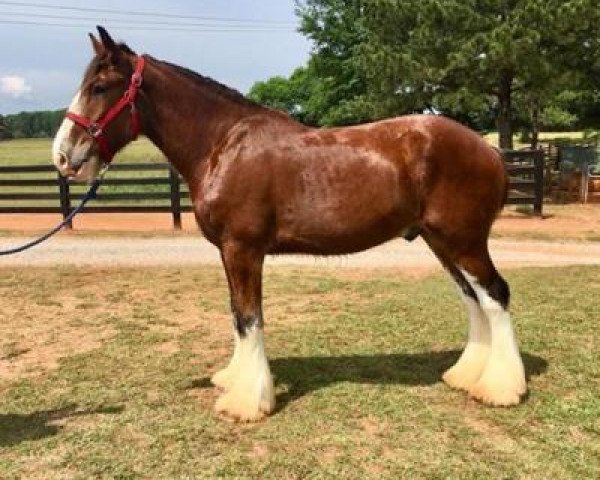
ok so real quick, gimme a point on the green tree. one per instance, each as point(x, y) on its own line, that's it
point(483, 62)
point(34, 124)
point(338, 83)
point(468, 53)
point(295, 95)
point(4, 132)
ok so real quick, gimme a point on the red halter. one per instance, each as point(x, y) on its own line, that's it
point(96, 129)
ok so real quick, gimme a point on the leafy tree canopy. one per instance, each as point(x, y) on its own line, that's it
point(484, 62)
point(31, 124)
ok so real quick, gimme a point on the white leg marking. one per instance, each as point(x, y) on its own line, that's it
point(225, 378)
point(469, 367)
point(251, 393)
point(502, 381)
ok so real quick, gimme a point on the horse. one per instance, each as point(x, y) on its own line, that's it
point(262, 183)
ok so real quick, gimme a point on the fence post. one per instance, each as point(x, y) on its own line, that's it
point(65, 199)
point(175, 184)
point(538, 161)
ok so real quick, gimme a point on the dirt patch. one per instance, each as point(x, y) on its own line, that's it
point(42, 353)
point(98, 222)
point(574, 221)
point(36, 336)
point(568, 222)
point(493, 434)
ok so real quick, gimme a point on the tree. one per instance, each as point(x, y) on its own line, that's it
point(34, 124)
point(4, 132)
point(469, 59)
point(486, 50)
point(295, 95)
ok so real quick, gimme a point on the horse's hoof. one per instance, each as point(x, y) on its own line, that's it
point(461, 379)
point(240, 410)
point(496, 395)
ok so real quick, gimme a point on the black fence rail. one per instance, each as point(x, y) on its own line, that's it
point(526, 171)
point(126, 188)
point(156, 187)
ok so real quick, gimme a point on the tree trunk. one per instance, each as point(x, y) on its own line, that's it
point(535, 125)
point(504, 120)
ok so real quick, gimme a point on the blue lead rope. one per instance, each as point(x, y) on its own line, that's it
point(91, 194)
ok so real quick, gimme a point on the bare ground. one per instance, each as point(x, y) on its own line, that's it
point(194, 250)
point(573, 221)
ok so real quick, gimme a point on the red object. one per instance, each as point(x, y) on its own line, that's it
point(96, 129)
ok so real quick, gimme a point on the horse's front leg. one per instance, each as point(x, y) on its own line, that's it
point(247, 379)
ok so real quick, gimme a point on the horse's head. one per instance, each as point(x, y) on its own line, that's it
point(79, 149)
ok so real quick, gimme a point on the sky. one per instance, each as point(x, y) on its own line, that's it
point(237, 42)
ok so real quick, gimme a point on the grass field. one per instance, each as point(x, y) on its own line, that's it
point(38, 151)
point(105, 375)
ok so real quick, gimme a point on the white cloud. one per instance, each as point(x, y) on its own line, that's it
point(14, 86)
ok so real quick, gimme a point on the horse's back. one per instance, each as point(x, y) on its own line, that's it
point(341, 190)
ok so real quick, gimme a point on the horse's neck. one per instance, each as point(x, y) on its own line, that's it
point(186, 119)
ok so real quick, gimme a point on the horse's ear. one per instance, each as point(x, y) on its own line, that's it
point(110, 46)
point(107, 41)
point(96, 45)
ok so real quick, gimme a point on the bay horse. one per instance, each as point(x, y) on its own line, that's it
point(261, 183)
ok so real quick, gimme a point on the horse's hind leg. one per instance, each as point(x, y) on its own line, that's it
point(469, 367)
point(247, 380)
point(490, 368)
point(502, 381)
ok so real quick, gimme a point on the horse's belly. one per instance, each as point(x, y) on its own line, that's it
point(340, 239)
point(343, 212)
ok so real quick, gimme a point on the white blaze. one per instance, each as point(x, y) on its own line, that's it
point(60, 140)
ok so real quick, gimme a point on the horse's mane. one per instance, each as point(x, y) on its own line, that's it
point(218, 87)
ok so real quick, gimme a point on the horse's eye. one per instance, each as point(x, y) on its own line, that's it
point(98, 89)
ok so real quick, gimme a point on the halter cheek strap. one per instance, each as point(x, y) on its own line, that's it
point(97, 129)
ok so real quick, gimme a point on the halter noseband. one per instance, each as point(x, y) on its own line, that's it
point(96, 129)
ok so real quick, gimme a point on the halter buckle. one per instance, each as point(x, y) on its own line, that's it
point(136, 79)
point(95, 130)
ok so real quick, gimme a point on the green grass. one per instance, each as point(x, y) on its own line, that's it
point(357, 357)
point(38, 151)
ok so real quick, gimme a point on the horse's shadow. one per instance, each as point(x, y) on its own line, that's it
point(303, 375)
point(17, 428)
point(306, 374)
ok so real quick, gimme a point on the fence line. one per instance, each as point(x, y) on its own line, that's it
point(525, 168)
point(526, 172)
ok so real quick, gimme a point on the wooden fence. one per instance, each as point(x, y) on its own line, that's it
point(526, 171)
point(39, 189)
point(171, 197)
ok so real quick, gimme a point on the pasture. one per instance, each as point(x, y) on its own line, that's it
point(38, 151)
point(105, 375)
